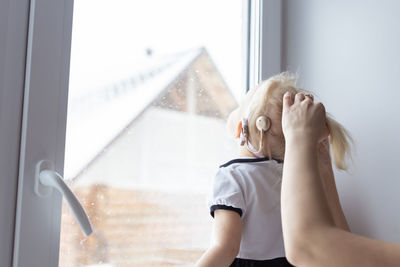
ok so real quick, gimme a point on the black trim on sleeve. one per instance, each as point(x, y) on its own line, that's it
point(241, 160)
point(224, 207)
point(277, 262)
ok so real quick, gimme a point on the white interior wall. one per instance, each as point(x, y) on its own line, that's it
point(347, 52)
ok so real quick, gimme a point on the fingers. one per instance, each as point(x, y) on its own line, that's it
point(287, 100)
point(309, 96)
point(302, 117)
point(320, 106)
point(299, 97)
point(307, 99)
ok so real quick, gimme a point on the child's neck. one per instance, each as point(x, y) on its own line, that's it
point(243, 152)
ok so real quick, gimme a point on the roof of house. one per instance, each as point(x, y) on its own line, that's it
point(120, 103)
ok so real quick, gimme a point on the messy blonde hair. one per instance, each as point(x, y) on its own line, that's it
point(268, 101)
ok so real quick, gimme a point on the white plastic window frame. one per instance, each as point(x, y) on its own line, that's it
point(270, 38)
point(37, 223)
point(13, 31)
point(38, 219)
point(262, 48)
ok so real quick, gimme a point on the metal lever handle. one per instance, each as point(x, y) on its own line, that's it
point(53, 179)
point(48, 179)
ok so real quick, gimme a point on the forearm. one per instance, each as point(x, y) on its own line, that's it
point(334, 203)
point(310, 234)
point(216, 256)
point(329, 246)
point(304, 205)
point(329, 185)
point(302, 184)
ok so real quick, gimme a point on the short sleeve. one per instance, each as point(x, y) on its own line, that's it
point(226, 193)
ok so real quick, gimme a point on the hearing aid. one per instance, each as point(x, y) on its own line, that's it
point(263, 123)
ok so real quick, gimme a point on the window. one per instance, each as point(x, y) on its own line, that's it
point(146, 86)
point(150, 87)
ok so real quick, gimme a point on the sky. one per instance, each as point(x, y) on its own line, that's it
point(110, 37)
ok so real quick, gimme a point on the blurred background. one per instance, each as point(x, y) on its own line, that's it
point(151, 85)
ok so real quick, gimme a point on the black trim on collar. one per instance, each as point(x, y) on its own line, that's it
point(243, 160)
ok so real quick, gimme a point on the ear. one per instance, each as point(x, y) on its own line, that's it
point(232, 124)
point(238, 129)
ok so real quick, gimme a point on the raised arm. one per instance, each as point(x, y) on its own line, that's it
point(227, 236)
point(311, 235)
point(329, 185)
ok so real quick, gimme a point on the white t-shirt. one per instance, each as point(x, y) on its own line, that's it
point(251, 187)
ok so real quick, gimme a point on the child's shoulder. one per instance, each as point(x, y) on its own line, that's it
point(236, 169)
point(240, 169)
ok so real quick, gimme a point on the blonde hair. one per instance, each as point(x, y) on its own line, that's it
point(267, 99)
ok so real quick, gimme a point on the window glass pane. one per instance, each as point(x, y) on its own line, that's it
point(151, 86)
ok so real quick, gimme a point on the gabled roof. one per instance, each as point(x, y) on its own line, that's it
point(99, 116)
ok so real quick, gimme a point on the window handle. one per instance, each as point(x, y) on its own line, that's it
point(47, 179)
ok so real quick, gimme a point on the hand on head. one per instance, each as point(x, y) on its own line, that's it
point(302, 119)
